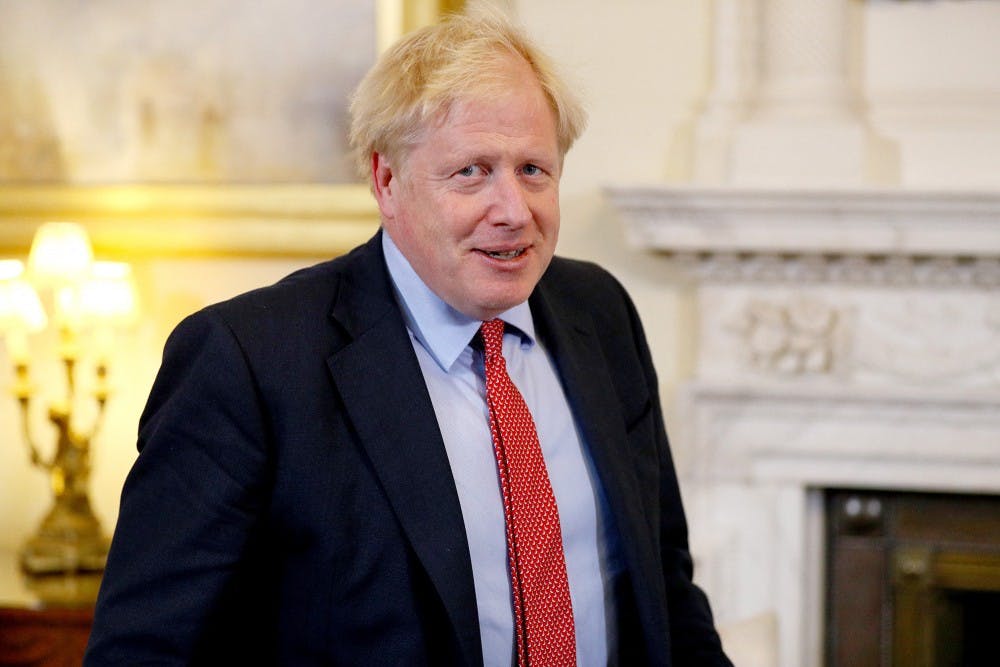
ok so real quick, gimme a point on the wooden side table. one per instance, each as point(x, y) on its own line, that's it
point(44, 622)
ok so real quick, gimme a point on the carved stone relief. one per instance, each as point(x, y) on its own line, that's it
point(884, 336)
point(943, 339)
point(795, 337)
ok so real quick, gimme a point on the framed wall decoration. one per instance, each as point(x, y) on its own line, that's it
point(190, 126)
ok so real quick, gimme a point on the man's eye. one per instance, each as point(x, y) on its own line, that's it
point(531, 170)
point(470, 170)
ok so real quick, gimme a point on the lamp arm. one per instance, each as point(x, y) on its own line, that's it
point(24, 399)
point(101, 392)
point(83, 440)
point(23, 391)
point(69, 363)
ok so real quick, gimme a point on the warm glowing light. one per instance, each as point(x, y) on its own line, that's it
point(20, 308)
point(10, 269)
point(21, 311)
point(109, 295)
point(60, 254)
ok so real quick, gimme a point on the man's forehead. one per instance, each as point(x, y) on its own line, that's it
point(476, 133)
point(508, 72)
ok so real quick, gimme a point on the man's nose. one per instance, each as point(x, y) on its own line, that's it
point(510, 202)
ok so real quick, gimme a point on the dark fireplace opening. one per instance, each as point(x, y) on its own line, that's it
point(967, 628)
point(912, 579)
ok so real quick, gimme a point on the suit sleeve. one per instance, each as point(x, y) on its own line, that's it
point(189, 504)
point(693, 638)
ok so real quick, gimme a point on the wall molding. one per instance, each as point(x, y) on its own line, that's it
point(866, 236)
point(196, 220)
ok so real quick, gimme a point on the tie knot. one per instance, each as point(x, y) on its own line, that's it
point(492, 337)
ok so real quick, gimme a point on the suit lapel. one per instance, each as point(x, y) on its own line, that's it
point(573, 341)
point(383, 390)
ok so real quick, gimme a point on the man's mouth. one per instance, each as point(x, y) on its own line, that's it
point(505, 254)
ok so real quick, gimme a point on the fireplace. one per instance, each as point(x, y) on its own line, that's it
point(846, 340)
point(912, 579)
point(846, 319)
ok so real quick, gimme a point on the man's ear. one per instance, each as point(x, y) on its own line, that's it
point(384, 185)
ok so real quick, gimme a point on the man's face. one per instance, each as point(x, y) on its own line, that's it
point(475, 205)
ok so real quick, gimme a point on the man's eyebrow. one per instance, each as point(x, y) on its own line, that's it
point(470, 155)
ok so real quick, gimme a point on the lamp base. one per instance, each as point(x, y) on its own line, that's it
point(69, 540)
point(64, 590)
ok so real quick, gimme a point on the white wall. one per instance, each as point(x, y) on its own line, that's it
point(933, 87)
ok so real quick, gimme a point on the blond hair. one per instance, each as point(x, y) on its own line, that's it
point(421, 76)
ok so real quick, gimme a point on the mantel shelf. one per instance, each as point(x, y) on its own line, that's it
point(858, 236)
point(682, 220)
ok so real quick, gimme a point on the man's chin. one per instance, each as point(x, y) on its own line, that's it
point(487, 308)
point(483, 297)
point(494, 309)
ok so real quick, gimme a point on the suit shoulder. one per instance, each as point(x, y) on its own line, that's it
point(583, 282)
point(315, 279)
point(582, 287)
point(305, 290)
point(295, 303)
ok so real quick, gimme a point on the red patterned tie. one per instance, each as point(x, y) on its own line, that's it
point(543, 612)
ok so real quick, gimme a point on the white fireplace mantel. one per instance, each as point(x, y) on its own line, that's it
point(845, 339)
point(842, 222)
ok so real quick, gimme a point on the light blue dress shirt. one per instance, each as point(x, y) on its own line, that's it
point(454, 375)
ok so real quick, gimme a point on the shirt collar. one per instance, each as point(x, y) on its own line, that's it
point(440, 329)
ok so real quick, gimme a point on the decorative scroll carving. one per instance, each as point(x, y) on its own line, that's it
point(948, 337)
point(794, 338)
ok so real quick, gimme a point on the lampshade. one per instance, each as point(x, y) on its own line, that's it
point(10, 269)
point(60, 254)
point(20, 308)
point(109, 295)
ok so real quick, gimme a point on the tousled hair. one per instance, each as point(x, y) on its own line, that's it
point(417, 80)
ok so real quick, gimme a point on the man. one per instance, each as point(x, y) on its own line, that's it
point(343, 469)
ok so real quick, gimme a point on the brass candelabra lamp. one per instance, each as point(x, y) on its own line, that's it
point(87, 301)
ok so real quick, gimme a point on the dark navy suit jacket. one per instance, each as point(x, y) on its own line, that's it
point(292, 502)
